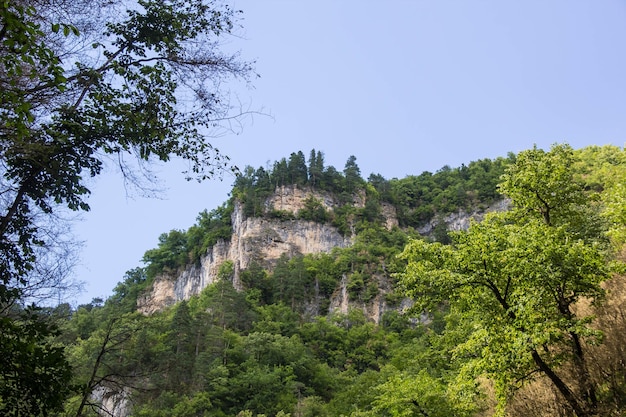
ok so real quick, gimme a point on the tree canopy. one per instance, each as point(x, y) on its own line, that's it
point(517, 278)
point(519, 310)
point(90, 82)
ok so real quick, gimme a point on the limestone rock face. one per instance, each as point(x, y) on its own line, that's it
point(114, 403)
point(374, 309)
point(461, 220)
point(160, 295)
point(292, 199)
point(253, 239)
point(263, 240)
point(390, 214)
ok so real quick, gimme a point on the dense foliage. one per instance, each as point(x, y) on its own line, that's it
point(518, 315)
point(416, 200)
point(507, 301)
point(85, 84)
point(517, 278)
point(222, 353)
point(178, 248)
point(420, 198)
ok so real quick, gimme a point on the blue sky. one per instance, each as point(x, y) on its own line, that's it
point(405, 86)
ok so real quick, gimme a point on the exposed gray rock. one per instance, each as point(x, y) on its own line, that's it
point(253, 239)
point(461, 220)
point(112, 403)
point(263, 240)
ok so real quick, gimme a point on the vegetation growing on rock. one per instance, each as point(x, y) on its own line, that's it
point(280, 347)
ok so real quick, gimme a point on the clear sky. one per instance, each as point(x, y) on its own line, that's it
point(405, 86)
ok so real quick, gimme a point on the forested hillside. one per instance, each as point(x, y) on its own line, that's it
point(400, 312)
point(416, 200)
point(519, 315)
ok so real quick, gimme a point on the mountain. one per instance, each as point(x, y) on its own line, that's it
point(264, 240)
point(315, 292)
point(253, 239)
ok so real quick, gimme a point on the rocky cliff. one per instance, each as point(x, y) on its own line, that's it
point(253, 239)
point(265, 240)
point(461, 220)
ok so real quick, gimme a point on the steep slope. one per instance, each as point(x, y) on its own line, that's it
point(305, 317)
point(263, 240)
point(253, 239)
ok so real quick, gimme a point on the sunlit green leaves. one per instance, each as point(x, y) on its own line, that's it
point(543, 184)
point(518, 276)
point(418, 394)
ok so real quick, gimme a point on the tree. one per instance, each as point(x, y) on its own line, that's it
point(59, 122)
point(125, 293)
point(316, 167)
point(542, 185)
point(225, 307)
point(210, 227)
point(352, 174)
point(170, 255)
point(82, 83)
point(518, 276)
point(313, 210)
point(30, 365)
point(297, 168)
point(419, 394)
point(290, 280)
point(280, 173)
point(382, 186)
point(123, 351)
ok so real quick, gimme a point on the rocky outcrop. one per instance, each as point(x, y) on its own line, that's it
point(373, 309)
point(390, 215)
point(253, 239)
point(263, 240)
point(462, 219)
point(292, 199)
point(114, 403)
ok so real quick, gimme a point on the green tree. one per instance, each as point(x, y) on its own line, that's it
point(257, 283)
point(297, 168)
point(280, 173)
point(125, 293)
point(210, 228)
point(382, 186)
point(313, 210)
point(518, 276)
point(181, 340)
point(415, 394)
point(276, 319)
point(332, 180)
point(169, 255)
point(322, 270)
point(223, 305)
point(352, 175)
point(542, 184)
point(615, 211)
point(77, 90)
point(124, 350)
point(372, 212)
point(34, 373)
point(58, 123)
point(316, 167)
point(291, 280)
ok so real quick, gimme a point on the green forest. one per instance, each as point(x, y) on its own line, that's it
point(520, 314)
point(504, 312)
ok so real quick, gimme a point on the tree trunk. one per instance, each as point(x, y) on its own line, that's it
point(579, 409)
